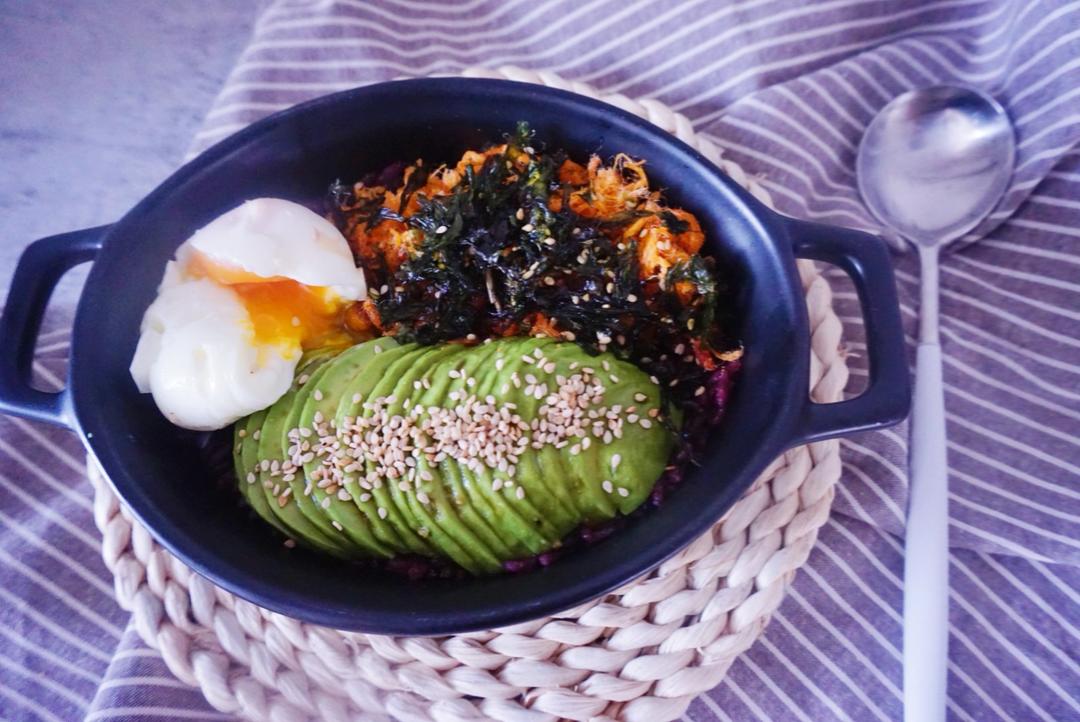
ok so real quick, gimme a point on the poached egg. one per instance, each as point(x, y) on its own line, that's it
point(244, 297)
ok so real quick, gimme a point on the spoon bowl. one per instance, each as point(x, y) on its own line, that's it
point(935, 161)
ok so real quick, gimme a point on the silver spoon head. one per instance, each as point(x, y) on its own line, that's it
point(934, 162)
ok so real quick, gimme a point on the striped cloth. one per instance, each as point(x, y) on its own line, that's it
point(786, 88)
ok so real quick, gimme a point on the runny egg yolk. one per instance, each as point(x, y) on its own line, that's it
point(283, 312)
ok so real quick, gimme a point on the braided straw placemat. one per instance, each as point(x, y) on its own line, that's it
point(640, 654)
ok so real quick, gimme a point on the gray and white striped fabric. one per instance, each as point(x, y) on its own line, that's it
point(786, 88)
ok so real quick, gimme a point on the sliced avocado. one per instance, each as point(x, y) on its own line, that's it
point(445, 529)
point(248, 432)
point(558, 465)
point(369, 495)
point(305, 502)
point(270, 452)
point(643, 453)
point(406, 527)
point(322, 403)
point(246, 463)
point(543, 522)
point(474, 513)
point(475, 488)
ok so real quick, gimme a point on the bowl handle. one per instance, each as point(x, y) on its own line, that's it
point(887, 398)
point(40, 267)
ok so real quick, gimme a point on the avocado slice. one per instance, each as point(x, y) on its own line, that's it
point(270, 451)
point(550, 483)
point(585, 489)
point(544, 520)
point(327, 388)
point(445, 530)
point(516, 534)
point(474, 512)
point(248, 433)
point(303, 501)
point(643, 452)
point(246, 462)
point(370, 495)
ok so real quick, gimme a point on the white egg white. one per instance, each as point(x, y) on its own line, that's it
point(197, 354)
point(271, 237)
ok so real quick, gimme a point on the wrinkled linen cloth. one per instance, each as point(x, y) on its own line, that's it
point(786, 88)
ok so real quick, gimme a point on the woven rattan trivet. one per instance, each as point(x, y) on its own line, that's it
point(639, 654)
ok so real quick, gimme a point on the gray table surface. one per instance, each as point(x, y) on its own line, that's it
point(99, 100)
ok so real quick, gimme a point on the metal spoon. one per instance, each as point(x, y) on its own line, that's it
point(931, 165)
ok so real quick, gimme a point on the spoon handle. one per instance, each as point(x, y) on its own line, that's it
point(926, 552)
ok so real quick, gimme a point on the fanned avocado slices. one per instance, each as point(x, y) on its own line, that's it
point(472, 454)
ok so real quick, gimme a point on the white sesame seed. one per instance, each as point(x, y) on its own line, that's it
point(318, 395)
point(608, 486)
point(645, 423)
point(377, 348)
point(251, 478)
point(527, 228)
point(382, 512)
point(441, 229)
point(699, 391)
point(241, 433)
point(615, 459)
point(325, 503)
point(520, 493)
point(624, 492)
point(337, 525)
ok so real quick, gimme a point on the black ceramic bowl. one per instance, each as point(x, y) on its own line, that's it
point(161, 474)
